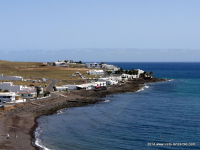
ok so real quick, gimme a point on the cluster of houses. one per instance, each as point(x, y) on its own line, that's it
point(103, 66)
point(16, 93)
point(101, 82)
point(59, 63)
point(62, 63)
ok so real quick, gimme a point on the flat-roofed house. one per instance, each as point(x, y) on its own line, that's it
point(7, 96)
point(11, 78)
point(92, 65)
point(60, 64)
point(95, 72)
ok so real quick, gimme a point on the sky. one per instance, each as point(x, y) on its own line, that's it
point(100, 30)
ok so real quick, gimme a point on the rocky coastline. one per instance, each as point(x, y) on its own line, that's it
point(20, 120)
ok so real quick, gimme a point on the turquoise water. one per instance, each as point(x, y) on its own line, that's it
point(162, 115)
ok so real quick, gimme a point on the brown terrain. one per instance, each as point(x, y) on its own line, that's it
point(19, 121)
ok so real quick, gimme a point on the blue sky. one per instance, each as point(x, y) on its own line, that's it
point(100, 30)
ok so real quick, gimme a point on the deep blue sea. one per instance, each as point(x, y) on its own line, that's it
point(160, 116)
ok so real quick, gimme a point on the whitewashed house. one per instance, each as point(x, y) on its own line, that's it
point(90, 86)
point(70, 87)
point(110, 67)
point(24, 91)
point(95, 72)
point(60, 64)
point(133, 76)
point(103, 79)
point(7, 96)
point(139, 72)
point(13, 88)
point(112, 82)
point(27, 94)
point(11, 78)
point(92, 65)
point(61, 88)
point(44, 80)
point(125, 76)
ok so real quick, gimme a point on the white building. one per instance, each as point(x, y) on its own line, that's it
point(27, 94)
point(111, 67)
point(95, 72)
point(92, 65)
point(103, 79)
point(133, 76)
point(44, 80)
point(112, 82)
point(90, 86)
point(7, 96)
point(125, 76)
point(87, 86)
point(139, 71)
point(60, 64)
point(70, 87)
point(24, 91)
point(12, 78)
point(61, 88)
point(14, 88)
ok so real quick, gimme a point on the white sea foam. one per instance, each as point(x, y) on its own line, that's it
point(142, 89)
point(106, 101)
point(60, 112)
point(38, 141)
point(171, 80)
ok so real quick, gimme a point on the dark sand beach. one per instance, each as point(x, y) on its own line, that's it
point(19, 121)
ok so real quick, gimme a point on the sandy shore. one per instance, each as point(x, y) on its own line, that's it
point(19, 121)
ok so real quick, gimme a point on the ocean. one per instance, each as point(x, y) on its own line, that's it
point(164, 115)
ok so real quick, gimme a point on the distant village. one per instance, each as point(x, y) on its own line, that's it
point(103, 75)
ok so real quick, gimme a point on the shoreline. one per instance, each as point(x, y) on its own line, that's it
point(21, 119)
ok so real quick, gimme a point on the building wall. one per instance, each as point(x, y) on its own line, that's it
point(96, 72)
point(14, 78)
point(60, 64)
point(61, 88)
point(17, 88)
point(140, 71)
point(10, 87)
point(26, 95)
point(8, 96)
point(92, 65)
point(70, 87)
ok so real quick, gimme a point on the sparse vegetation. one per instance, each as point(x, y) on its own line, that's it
point(5, 90)
point(130, 72)
point(33, 70)
point(46, 93)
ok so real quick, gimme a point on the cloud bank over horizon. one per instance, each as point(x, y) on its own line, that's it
point(93, 30)
point(107, 55)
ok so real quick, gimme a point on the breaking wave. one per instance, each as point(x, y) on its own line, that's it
point(38, 141)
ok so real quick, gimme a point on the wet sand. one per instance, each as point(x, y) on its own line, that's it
point(19, 121)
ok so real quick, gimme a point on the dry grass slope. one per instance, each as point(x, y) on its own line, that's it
point(32, 70)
